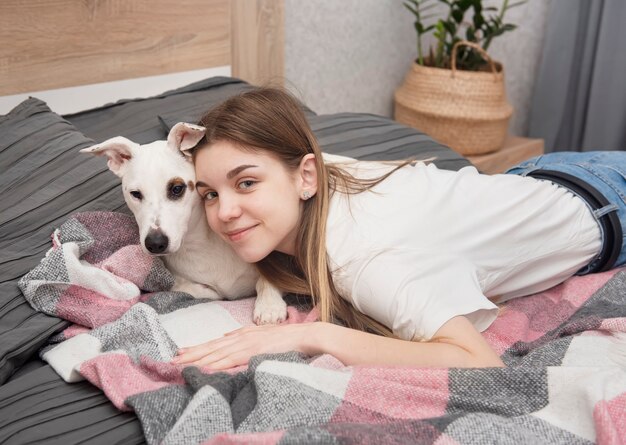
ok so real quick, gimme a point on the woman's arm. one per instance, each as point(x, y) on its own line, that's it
point(456, 344)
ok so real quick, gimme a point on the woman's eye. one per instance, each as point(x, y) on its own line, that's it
point(136, 194)
point(246, 184)
point(210, 196)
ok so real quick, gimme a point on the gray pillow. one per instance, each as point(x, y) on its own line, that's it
point(137, 119)
point(44, 179)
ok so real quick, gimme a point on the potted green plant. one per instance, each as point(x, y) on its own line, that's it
point(455, 91)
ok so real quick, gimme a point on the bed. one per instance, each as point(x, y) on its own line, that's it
point(565, 348)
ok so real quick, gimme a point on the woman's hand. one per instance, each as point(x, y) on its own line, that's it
point(456, 344)
point(237, 347)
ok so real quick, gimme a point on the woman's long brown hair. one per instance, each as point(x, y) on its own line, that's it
point(271, 120)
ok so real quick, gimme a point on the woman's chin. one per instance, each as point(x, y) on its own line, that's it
point(250, 256)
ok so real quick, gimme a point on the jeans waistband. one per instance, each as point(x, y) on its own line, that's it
point(609, 222)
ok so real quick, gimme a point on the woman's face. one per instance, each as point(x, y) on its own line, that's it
point(250, 198)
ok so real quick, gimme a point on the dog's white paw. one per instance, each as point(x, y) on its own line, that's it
point(269, 310)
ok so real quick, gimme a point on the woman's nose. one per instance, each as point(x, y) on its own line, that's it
point(229, 208)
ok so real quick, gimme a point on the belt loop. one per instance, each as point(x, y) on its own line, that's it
point(599, 213)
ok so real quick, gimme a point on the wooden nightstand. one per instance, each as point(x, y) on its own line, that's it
point(515, 150)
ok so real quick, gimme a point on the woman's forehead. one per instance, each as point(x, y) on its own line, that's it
point(218, 160)
point(224, 150)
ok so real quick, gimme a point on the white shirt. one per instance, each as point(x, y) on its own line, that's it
point(426, 245)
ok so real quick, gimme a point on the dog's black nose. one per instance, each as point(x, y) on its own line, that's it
point(156, 242)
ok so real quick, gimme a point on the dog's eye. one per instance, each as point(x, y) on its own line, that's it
point(177, 190)
point(136, 194)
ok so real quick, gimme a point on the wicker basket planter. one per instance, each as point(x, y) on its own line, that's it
point(466, 110)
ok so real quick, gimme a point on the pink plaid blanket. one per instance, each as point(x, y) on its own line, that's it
point(565, 349)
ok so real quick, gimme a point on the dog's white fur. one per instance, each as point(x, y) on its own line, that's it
point(202, 263)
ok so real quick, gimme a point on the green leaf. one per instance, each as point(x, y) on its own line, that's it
point(450, 27)
point(514, 5)
point(464, 5)
point(495, 21)
point(429, 7)
point(470, 33)
point(481, 26)
point(412, 9)
point(478, 21)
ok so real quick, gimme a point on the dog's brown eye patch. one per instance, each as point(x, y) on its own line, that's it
point(176, 189)
point(191, 186)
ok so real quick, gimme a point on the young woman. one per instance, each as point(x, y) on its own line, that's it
point(416, 254)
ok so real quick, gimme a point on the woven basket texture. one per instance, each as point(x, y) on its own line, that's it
point(466, 110)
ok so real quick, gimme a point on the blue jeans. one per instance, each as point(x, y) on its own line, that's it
point(603, 170)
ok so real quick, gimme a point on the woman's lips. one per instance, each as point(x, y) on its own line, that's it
point(239, 234)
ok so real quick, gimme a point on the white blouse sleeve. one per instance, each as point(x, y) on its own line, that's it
point(415, 296)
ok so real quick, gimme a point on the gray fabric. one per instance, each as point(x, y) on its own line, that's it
point(236, 389)
point(205, 416)
point(138, 331)
point(526, 390)
point(138, 119)
point(166, 302)
point(43, 181)
point(39, 407)
point(604, 304)
point(367, 137)
point(486, 428)
point(579, 101)
point(375, 138)
point(386, 432)
point(158, 417)
point(283, 403)
point(52, 293)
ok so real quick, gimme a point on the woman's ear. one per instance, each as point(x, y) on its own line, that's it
point(307, 177)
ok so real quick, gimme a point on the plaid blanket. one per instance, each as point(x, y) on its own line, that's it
point(565, 350)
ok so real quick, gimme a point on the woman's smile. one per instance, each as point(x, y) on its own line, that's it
point(238, 235)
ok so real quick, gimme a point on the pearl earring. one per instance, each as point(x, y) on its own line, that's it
point(306, 195)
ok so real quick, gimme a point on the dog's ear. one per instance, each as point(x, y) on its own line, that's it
point(184, 137)
point(117, 149)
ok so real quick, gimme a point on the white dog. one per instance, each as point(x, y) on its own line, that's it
point(158, 182)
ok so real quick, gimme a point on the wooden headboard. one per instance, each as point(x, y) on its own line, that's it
point(49, 44)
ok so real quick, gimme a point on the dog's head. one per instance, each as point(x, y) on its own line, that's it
point(158, 182)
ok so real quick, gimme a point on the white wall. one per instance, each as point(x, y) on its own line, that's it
point(350, 55)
